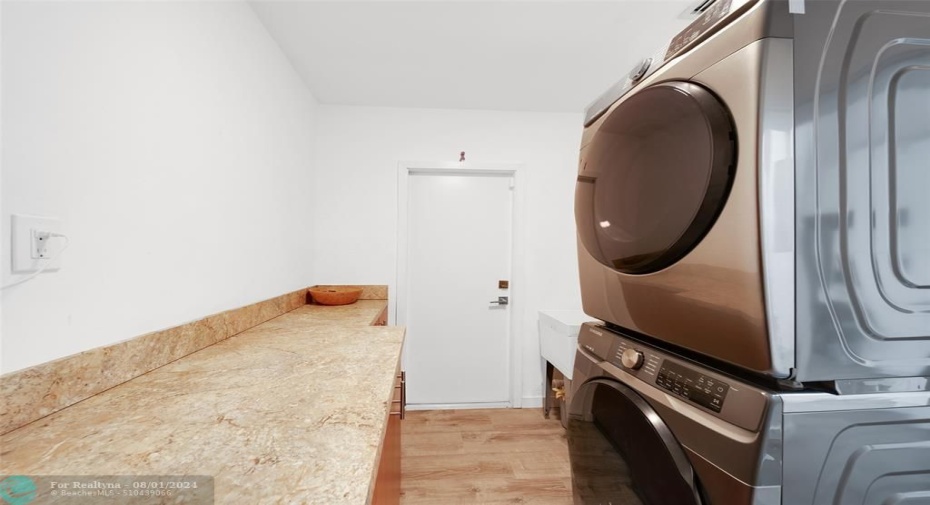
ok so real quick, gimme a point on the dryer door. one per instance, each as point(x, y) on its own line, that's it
point(622, 452)
point(657, 175)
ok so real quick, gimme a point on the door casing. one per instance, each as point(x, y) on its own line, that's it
point(517, 282)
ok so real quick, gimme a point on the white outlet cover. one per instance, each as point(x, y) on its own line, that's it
point(22, 242)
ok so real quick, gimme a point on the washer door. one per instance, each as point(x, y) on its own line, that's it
point(622, 452)
point(655, 177)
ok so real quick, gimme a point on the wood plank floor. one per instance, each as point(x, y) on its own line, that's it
point(485, 457)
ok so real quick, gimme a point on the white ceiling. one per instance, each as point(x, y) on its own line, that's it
point(554, 56)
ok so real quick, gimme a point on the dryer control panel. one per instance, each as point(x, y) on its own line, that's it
point(723, 396)
point(717, 10)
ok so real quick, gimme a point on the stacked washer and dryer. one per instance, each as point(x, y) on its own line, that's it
point(753, 213)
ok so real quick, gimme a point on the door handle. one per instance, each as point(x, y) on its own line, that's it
point(502, 300)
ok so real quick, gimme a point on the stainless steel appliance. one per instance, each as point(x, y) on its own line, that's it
point(648, 427)
point(756, 191)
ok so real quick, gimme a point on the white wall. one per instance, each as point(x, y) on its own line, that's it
point(355, 227)
point(174, 140)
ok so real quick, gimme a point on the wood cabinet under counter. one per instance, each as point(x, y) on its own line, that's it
point(387, 484)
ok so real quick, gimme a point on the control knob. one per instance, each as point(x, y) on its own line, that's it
point(632, 359)
point(639, 71)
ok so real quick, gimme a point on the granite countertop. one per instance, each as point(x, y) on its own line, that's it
point(360, 313)
point(291, 411)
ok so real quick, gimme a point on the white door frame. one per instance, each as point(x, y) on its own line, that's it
point(518, 279)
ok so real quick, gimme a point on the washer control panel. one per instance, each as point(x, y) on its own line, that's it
point(618, 355)
point(702, 389)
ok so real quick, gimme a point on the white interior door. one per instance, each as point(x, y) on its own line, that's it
point(458, 248)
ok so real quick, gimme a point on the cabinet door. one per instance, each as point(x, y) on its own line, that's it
point(387, 485)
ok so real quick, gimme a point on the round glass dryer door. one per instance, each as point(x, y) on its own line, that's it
point(621, 452)
point(655, 178)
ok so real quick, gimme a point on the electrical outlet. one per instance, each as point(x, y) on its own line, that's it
point(40, 249)
point(32, 248)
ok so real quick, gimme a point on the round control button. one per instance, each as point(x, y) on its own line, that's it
point(631, 358)
point(640, 70)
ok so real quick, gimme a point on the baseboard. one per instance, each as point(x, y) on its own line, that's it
point(458, 406)
point(528, 402)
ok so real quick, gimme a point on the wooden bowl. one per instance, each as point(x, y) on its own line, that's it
point(334, 295)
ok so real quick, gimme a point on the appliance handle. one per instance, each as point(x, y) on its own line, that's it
point(402, 403)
